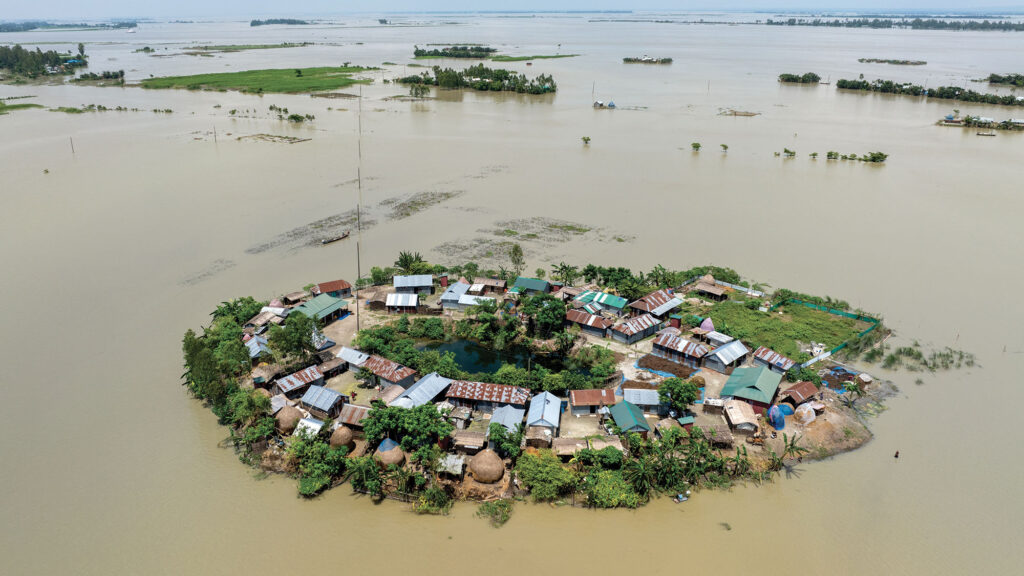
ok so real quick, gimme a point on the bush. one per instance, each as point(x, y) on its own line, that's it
point(608, 489)
point(498, 512)
point(544, 476)
point(434, 500)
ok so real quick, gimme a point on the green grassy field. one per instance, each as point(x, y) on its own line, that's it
point(537, 57)
point(5, 108)
point(780, 332)
point(282, 81)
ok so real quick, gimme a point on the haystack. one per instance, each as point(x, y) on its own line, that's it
point(287, 418)
point(487, 467)
point(343, 437)
point(389, 453)
point(263, 392)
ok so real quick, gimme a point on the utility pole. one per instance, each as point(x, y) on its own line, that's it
point(359, 207)
point(72, 140)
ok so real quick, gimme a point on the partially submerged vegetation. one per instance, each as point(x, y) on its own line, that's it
point(481, 78)
point(44, 25)
point(242, 47)
point(808, 78)
point(474, 52)
point(646, 60)
point(941, 93)
point(280, 21)
point(7, 108)
point(19, 62)
point(908, 23)
point(286, 81)
point(1007, 79)
point(893, 62)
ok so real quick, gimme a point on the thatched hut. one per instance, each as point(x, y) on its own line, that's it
point(342, 436)
point(487, 467)
point(287, 418)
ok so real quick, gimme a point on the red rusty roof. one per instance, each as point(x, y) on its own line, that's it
point(332, 286)
point(636, 325)
point(581, 317)
point(774, 358)
point(652, 301)
point(353, 414)
point(386, 369)
point(299, 379)
point(801, 391)
point(600, 397)
point(681, 345)
point(485, 392)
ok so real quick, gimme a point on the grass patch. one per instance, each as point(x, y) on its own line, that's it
point(498, 512)
point(417, 203)
point(5, 108)
point(282, 81)
point(68, 110)
point(241, 47)
point(503, 58)
point(781, 332)
point(508, 232)
point(570, 228)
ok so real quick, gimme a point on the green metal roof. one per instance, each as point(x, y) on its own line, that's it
point(629, 417)
point(321, 306)
point(758, 384)
point(534, 284)
point(603, 298)
point(684, 420)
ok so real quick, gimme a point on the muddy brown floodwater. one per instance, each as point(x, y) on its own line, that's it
point(110, 468)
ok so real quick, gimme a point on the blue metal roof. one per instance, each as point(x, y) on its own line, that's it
point(424, 390)
point(257, 345)
point(545, 409)
point(321, 398)
point(508, 417)
point(416, 281)
point(454, 291)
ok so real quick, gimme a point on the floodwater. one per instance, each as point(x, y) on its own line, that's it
point(110, 468)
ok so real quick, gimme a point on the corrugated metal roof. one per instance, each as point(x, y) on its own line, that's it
point(533, 284)
point(681, 345)
point(352, 356)
point(629, 417)
point(353, 414)
point(641, 397)
point(545, 410)
point(321, 306)
point(423, 391)
point(730, 352)
point(470, 300)
point(257, 345)
point(709, 288)
point(599, 397)
point(386, 369)
point(492, 282)
point(454, 292)
point(507, 416)
point(667, 307)
point(332, 286)
point(321, 398)
point(417, 281)
point(657, 302)
point(311, 426)
point(486, 392)
point(297, 380)
point(476, 288)
point(580, 317)
point(603, 298)
point(719, 339)
point(774, 358)
point(277, 402)
point(801, 391)
point(636, 325)
point(752, 383)
point(403, 300)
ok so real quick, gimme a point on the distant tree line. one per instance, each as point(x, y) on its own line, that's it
point(481, 78)
point(913, 24)
point(647, 60)
point(289, 21)
point(808, 78)
point(39, 24)
point(1009, 79)
point(941, 93)
point(105, 75)
point(456, 52)
point(896, 62)
point(35, 62)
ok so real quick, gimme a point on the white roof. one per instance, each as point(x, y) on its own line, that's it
point(508, 417)
point(641, 397)
point(545, 409)
point(414, 281)
point(673, 303)
point(470, 300)
point(454, 292)
point(403, 300)
point(423, 391)
point(310, 425)
point(352, 356)
point(730, 352)
point(476, 288)
point(718, 338)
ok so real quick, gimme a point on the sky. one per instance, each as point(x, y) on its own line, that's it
point(98, 9)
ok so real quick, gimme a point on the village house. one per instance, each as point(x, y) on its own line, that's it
point(595, 302)
point(467, 301)
point(672, 347)
point(424, 391)
point(450, 297)
point(482, 286)
point(418, 284)
point(755, 385)
point(258, 348)
point(294, 384)
point(772, 360)
point(469, 441)
point(293, 298)
point(528, 286)
point(589, 323)
point(708, 288)
point(385, 372)
point(601, 442)
point(630, 418)
point(336, 288)
point(566, 448)
point(508, 416)
point(716, 338)
point(635, 329)
point(352, 415)
point(332, 367)
point(590, 401)
point(659, 304)
point(799, 393)
point(486, 397)
point(325, 308)
point(354, 359)
point(308, 427)
point(406, 303)
point(741, 416)
point(259, 323)
point(323, 402)
point(647, 400)
point(724, 357)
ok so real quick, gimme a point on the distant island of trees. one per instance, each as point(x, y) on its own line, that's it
point(941, 93)
point(1008, 79)
point(481, 78)
point(473, 52)
point(647, 60)
point(42, 25)
point(808, 78)
point(894, 62)
point(286, 21)
point(34, 63)
point(913, 24)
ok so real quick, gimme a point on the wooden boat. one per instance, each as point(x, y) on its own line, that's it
point(335, 238)
point(986, 133)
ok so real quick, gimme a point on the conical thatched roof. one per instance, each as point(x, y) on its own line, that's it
point(263, 392)
point(388, 457)
point(487, 467)
point(287, 418)
point(342, 437)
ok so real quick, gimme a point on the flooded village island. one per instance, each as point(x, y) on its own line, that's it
point(586, 386)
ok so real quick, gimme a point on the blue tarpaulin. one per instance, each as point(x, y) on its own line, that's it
point(776, 418)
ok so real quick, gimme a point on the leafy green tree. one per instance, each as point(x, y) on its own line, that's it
point(586, 140)
point(695, 146)
point(790, 447)
point(516, 259)
point(412, 429)
point(81, 49)
point(319, 464)
point(418, 90)
point(547, 313)
point(294, 339)
point(508, 444)
point(565, 273)
point(365, 476)
point(608, 489)
point(640, 473)
point(544, 476)
point(497, 511)
point(240, 309)
point(678, 394)
point(725, 147)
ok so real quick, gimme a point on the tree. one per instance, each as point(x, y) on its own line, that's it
point(539, 273)
point(586, 140)
point(544, 476)
point(516, 259)
point(725, 147)
point(695, 146)
point(365, 476)
point(298, 73)
point(418, 90)
point(319, 464)
point(412, 428)
point(565, 273)
point(294, 339)
point(641, 474)
point(790, 447)
point(508, 444)
point(547, 312)
point(678, 394)
point(814, 155)
point(81, 49)
point(410, 263)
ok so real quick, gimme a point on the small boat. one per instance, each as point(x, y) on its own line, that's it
point(986, 133)
point(680, 499)
point(335, 238)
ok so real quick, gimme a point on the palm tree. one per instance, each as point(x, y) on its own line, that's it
point(790, 447)
point(641, 474)
point(409, 262)
point(565, 273)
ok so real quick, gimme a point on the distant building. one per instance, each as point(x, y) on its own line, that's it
point(630, 418)
point(659, 304)
point(386, 372)
point(406, 303)
point(323, 402)
point(325, 308)
point(354, 359)
point(336, 288)
point(450, 297)
point(467, 301)
point(528, 286)
point(589, 323)
point(418, 284)
point(294, 384)
point(708, 288)
point(590, 401)
point(508, 416)
point(680, 350)
point(424, 391)
point(486, 397)
point(595, 302)
point(647, 400)
point(799, 393)
point(482, 286)
point(352, 415)
point(258, 348)
point(636, 329)
point(545, 410)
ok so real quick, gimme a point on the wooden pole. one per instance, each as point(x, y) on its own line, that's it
point(72, 140)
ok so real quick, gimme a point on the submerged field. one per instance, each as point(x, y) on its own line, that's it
point(283, 81)
point(5, 108)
